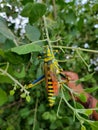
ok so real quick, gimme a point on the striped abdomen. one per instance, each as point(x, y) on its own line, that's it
point(51, 85)
point(50, 89)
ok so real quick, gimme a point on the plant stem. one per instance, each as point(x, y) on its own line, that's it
point(46, 30)
point(81, 58)
point(59, 108)
point(67, 101)
point(47, 34)
point(55, 40)
point(4, 72)
point(69, 89)
point(15, 42)
point(54, 9)
point(76, 112)
point(78, 48)
point(39, 41)
point(35, 114)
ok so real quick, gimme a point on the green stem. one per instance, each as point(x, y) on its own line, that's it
point(56, 40)
point(35, 114)
point(39, 41)
point(69, 89)
point(78, 48)
point(54, 9)
point(79, 117)
point(7, 66)
point(68, 60)
point(15, 42)
point(59, 108)
point(46, 30)
point(4, 72)
point(81, 58)
point(47, 34)
point(67, 101)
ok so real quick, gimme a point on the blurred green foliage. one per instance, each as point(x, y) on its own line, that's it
point(70, 24)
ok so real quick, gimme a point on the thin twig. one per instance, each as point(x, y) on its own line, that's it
point(18, 103)
point(46, 30)
point(47, 34)
point(73, 109)
point(35, 114)
point(59, 108)
point(54, 9)
point(56, 40)
point(76, 111)
point(82, 58)
point(4, 72)
point(15, 42)
point(78, 48)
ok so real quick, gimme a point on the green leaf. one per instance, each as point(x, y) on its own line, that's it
point(5, 79)
point(12, 92)
point(53, 126)
point(24, 112)
point(97, 107)
point(83, 127)
point(24, 49)
point(23, 95)
point(32, 33)
point(8, 44)
point(14, 58)
point(86, 112)
point(10, 127)
point(27, 10)
point(95, 7)
point(30, 120)
point(49, 116)
point(20, 74)
point(94, 125)
point(28, 98)
point(80, 24)
point(5, 31)
point(90, 90)
point(39, 71)
point(3, 97)
point(46, 115)
point(26, 1)
point(2, 38)
point(2, 52)
point(34, 11)
point(41, 108)
point(96, 31)
point(82, 97)
point(69, 17)
point(85, 78)
point(67, 95)
point(38, 10)
point(79, 105)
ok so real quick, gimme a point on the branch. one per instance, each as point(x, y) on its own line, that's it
point(54, 9)
point(4, 72)
point(35, 114)
point(78, 48)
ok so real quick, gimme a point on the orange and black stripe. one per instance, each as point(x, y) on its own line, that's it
point(51, 97)
point(49, 85)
